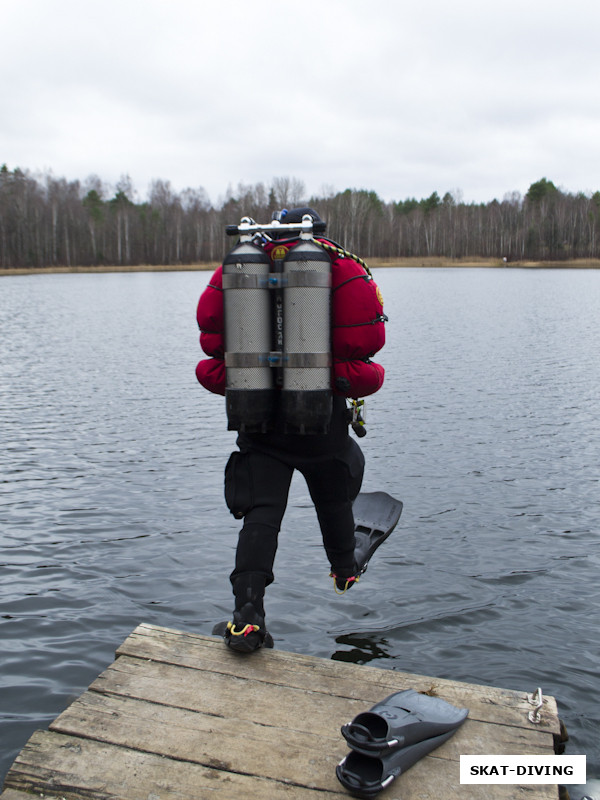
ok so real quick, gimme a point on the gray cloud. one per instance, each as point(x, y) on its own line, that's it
point(403, 99)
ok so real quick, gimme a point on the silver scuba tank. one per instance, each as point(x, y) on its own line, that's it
point(249, 388)
point(306, 399)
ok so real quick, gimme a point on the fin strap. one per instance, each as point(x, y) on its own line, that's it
point(349, 581)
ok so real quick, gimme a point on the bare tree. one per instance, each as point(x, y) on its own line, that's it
point(288, 192)
point(46, 220)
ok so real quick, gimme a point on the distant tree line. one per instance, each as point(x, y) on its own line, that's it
point(47, 221)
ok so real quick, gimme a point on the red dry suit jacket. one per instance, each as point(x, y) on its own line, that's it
point(357, 326)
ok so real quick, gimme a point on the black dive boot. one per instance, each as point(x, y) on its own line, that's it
point(247, 632)
point(342, 584)
point(376, 514)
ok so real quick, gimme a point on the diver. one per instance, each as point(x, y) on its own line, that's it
point(280, 431)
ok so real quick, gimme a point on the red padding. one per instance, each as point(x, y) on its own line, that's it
point(211, 374)
point(213, 344)
point(209, 313)
point(357, 378)
point(357, 312)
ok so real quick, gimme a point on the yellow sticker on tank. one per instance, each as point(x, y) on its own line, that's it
point(279, 252)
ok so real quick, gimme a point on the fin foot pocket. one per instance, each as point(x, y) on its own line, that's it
point(367, 775)
point(403, 718)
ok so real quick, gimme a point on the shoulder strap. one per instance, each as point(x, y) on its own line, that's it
point(340, 252)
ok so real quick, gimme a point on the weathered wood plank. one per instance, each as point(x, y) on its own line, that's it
point(288, 709)
point(219, 695)
point(252, 747)
point(131, 721)
point(14, 794)
point(178, 716)
point(81, 769)
point(485, 703)
point(225, 743)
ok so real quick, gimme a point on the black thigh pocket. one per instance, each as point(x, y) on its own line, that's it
point(239, 495)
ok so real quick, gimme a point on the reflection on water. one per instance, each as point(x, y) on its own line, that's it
point(364, 649)
point(487, 428)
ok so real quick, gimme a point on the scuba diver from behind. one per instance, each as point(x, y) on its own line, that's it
point(289, 322)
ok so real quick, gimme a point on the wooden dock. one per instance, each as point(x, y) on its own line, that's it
point(178, 716)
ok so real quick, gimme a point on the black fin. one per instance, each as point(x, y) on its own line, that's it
point(402, 719)
point(365, 776)
point(376, 514)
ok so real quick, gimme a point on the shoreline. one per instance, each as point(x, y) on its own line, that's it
point(375, 263)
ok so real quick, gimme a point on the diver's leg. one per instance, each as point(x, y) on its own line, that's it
point(333, 484)
point(257, 544)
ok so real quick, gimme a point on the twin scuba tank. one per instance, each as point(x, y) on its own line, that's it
point(277, 331)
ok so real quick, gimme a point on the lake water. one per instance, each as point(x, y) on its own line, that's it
point(488, 428)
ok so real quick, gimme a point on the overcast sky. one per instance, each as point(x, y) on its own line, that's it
point(398, 97)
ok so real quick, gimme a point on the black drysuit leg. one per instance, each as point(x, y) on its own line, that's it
point(333, 483)
point(269, 484)
point(333, 486)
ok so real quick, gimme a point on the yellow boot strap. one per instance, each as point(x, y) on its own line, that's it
point(245, 630)
point(347, 585)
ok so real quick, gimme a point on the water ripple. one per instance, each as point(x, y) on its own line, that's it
point(487, 427)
